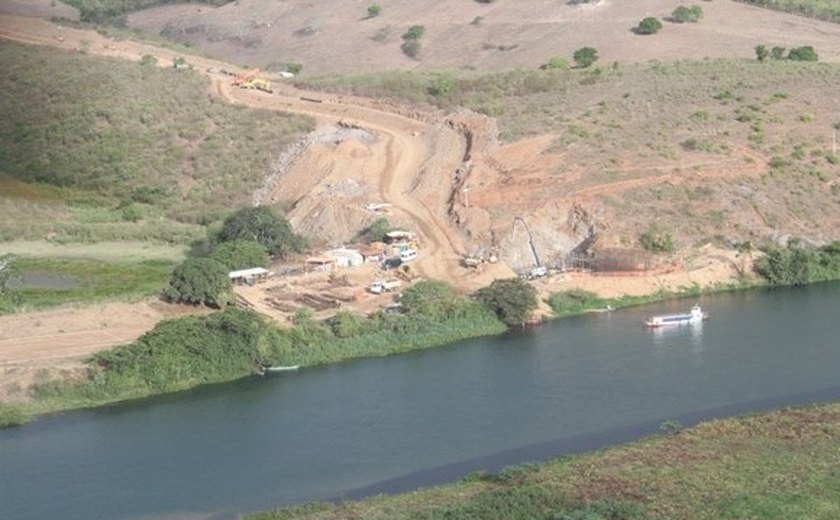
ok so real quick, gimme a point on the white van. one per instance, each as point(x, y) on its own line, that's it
point(408, 255)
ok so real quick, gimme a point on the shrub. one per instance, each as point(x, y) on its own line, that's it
point(240, 254)
point(657, 241)
point(345, 324)
point(411, 48)
point(556, 62)
point(376, 231)
point(201, 281)
point(184, 351)
point(761, 52)
point(442, 85)
point(585, 57)
point(777, 53)
point(11, 415)
point(415, 32)
point(430, 298)
point(649, 25)
point(261, 225)
point(294, 68)
point(148, 59)
point(806, 53)
point(798, 264)
point(573, 301)
point(683, 14)
point(512, 300)
point(374, 10)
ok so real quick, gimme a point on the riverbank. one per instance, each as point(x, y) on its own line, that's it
point(776, 465)
point(183, 353)
point(89, 383)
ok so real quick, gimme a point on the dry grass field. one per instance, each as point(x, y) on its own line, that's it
point(334, 36)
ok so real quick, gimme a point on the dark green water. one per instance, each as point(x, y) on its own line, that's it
point(411, 420)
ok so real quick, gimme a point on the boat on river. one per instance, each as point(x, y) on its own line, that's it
point(696, 315)
point(283, 368)
point(272, 369)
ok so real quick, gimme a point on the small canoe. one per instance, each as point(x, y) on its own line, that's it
point(286, 368)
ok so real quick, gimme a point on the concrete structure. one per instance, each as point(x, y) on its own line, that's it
point(249, 276)
point(346, 257)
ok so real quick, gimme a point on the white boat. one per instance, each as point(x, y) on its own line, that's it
point(281, 368)
point(696, 315)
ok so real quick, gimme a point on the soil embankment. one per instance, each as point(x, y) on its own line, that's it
point(409, 163)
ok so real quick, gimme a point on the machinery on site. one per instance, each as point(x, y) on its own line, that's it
point(252, 80)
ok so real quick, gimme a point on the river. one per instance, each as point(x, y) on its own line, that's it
point(405, 421)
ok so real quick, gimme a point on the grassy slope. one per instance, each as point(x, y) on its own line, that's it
point(83, 137)
point(778, 465)
point(620, 123)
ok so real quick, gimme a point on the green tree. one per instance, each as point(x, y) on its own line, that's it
point(430, 298)
point(240, 254)
point(148, 59)
point(806, 53)
point(411, 48)
point(512, 299)
point(777, 53)
point(261, 225)
point(683, 14)
point(376, 231)
point(374, 10)
point(761, 52)
point(201, 281)
point(585, 57)
point(415, 32)
point(346, 324)
point(442, 85)
point(649, 25)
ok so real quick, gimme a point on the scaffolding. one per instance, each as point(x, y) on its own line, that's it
point(605, 260)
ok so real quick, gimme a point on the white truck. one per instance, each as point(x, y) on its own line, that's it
point(381, 286)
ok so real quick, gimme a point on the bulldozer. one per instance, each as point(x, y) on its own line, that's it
point(252, 80)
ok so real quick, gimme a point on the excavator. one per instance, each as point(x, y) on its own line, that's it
point(252, 80)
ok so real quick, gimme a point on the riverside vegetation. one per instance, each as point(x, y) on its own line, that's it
point(113, 162)
point(772, 466)
point(230, 344)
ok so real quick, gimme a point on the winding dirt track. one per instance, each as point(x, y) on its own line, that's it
point(403, 141)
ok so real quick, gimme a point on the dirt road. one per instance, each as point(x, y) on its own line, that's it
point(401, 140)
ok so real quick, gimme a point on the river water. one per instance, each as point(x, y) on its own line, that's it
point(405, 421)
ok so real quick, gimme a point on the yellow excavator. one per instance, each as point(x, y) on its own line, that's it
point(252, 80)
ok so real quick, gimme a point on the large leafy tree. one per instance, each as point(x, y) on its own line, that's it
point(201, 281)
point(430, 298)
point(512, 299)
point(240, 254)
point(263, 226)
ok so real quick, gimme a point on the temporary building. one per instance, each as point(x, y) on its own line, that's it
point(249, 276)
point(346, 257)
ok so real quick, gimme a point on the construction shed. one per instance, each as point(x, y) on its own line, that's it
point(249, 276)
point(319, 264)
point(374, 252)
point(345, 257)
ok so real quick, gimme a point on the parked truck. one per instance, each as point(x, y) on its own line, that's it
point(381, 286)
